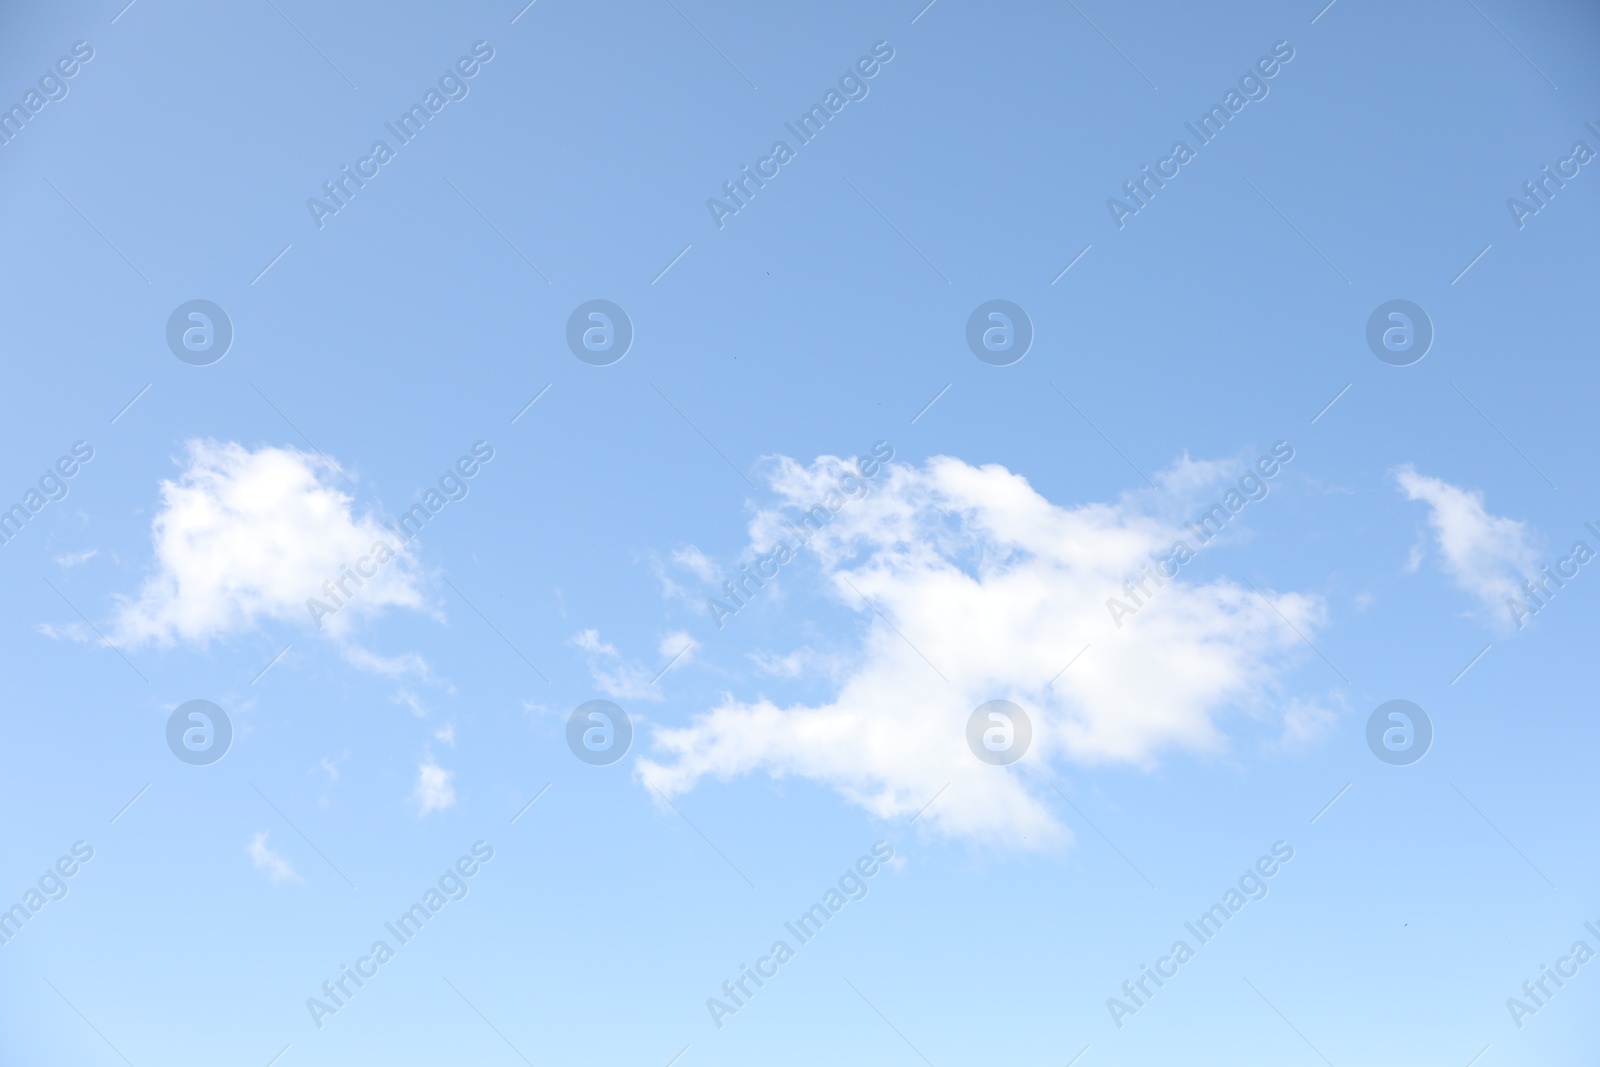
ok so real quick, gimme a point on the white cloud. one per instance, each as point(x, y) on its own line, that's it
point(1485, 554)
point(998, 589)
point(72, 559)
point(265, 859)
point(435, 789)
point(246, 536)
point(446, 734)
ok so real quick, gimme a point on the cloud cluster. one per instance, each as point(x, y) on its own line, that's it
point(244, 537)
point(629, 679)
point(970, 586)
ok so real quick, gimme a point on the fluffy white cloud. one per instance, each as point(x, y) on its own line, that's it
point(245, 536)
point(1487, 555)
point(435, 788)
point(970, 586)
point(277, 868)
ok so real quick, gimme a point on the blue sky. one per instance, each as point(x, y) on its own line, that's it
point(411, 350)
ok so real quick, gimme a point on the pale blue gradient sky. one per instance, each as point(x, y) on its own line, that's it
point(822, 318)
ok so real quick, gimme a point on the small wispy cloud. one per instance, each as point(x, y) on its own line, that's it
point(589, 641)
point(1306, 723)
point(803, 660)
point(406, 663)
point(68, 631)
point(678, 645)
point(614, 676)
point(697, 563)
point(72, 559)
point(277, 868)
point(435, 788)
point(1486, 554)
